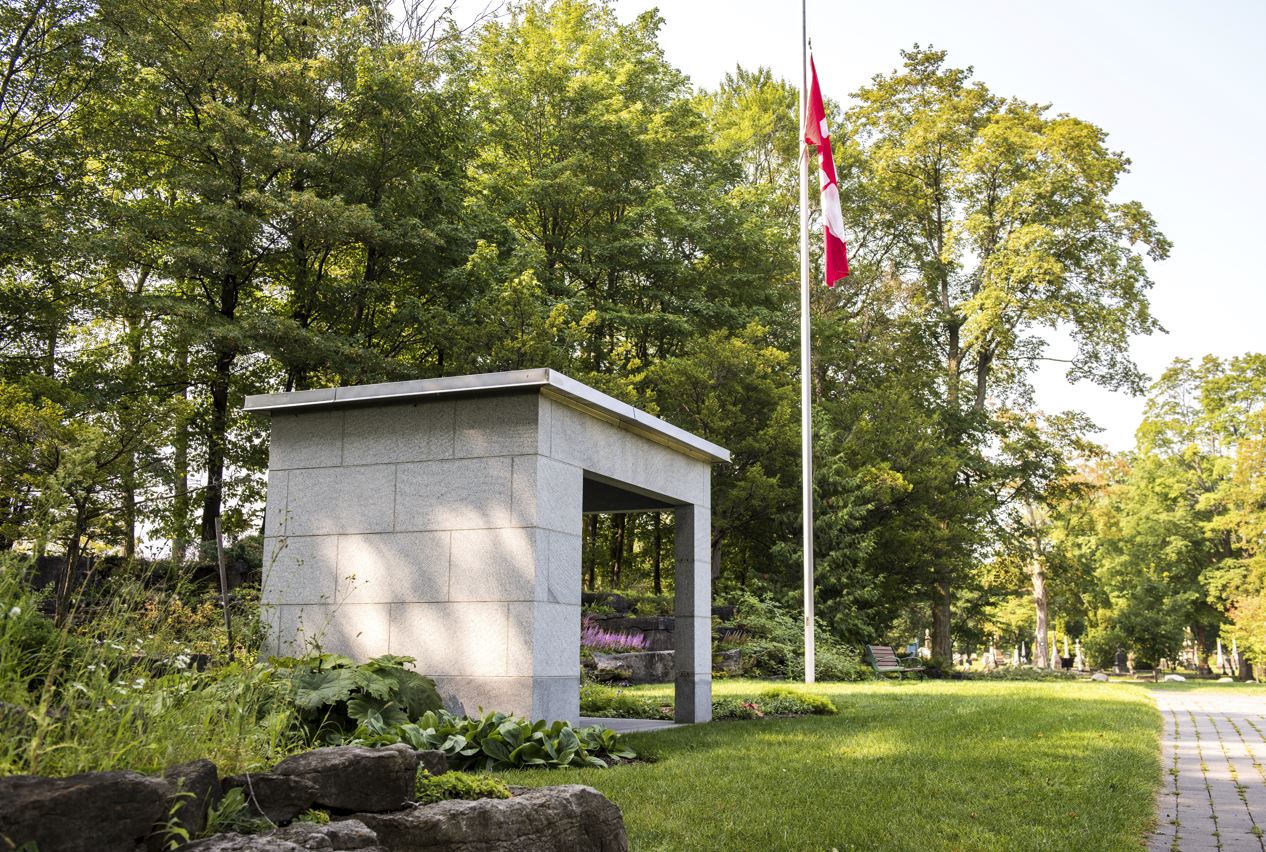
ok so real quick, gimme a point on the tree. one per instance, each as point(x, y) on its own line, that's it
point(1002, 215)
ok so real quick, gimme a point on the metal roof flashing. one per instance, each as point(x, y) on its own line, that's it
point(545, 381)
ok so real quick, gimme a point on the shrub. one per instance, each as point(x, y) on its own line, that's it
point(783, 701)
point(336, 698)
point(612, 703)
point(774, 645)
point(735, 708)
point(458, 785)
point(597, 700)
point(499, 741)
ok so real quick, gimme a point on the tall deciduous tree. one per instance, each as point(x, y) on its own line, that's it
point(1005, 218)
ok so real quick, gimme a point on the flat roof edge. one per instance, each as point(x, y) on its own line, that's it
point(481, 383)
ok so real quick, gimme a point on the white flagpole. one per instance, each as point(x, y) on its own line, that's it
point(806, 385)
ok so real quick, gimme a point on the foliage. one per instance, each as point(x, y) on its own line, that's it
point(316, 816)
point(735, 708)
point(609, 702)
point(594, 638)
point(336, 697)
point(458, 785)
point(227, 197)
point(775, 645)
point(499, 741)
point(89, 696)
point(783, 701)
point(613, 703)
point(232, 813)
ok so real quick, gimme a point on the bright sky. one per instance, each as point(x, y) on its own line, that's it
point(1179, 88)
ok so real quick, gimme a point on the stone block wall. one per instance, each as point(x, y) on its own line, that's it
point(448, 529)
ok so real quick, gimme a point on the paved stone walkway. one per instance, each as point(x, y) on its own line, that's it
point(1214, 763)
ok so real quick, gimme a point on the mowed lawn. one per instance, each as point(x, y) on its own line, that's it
point(918, 766)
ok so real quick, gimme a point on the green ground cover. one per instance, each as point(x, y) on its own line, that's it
point(931, 765)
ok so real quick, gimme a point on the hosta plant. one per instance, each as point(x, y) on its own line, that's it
point(499, 741)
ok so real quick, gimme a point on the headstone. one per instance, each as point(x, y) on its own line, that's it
point(1120, 661)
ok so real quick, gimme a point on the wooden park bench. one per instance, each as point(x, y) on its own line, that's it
point(885, 661)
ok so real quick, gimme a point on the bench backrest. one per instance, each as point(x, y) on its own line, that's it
point(883, 656)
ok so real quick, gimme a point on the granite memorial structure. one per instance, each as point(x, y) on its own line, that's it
point(441, 519)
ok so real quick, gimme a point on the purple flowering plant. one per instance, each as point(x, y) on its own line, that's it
point(595, 638)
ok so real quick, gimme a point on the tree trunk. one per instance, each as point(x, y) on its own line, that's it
point(617, 549)
point(180, 469)
point(213, 496)
point(1041, 652)
point(591, 553)
point(1245, 670)
point(657, 557)
point(1202, 661)
point(942, 643)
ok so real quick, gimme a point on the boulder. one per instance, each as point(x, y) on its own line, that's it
point(569, 818)
point(196, 786)
point(342, 836)
point(434, 761)
point(637, 667)
point(1175, 678)
point(1100, 676)
point(280, 798)
point(355, 778)
point(730, 662)
point(93, 812)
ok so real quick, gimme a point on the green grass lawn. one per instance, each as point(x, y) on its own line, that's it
point(931, 765)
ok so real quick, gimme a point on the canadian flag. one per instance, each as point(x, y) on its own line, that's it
point(816, 133)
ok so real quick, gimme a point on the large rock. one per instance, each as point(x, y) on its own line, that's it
point(637, 667)
point(354, 778)
point(568, 818)
point(1100, 676)
point(342, 836)
point(280, 798)
point(730, 662)
point(94, 812)
point(196, 787)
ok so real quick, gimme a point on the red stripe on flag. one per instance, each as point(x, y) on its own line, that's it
point(835, 251)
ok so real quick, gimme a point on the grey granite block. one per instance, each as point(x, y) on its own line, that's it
point(359, 631)
point(495, 565)
point(399, 433)
point(392, 567)
point(454, 495)
point(504, 425)
point(310, 439)
point(452, 639)
point(562, 572)
point(341, 500)
point(547, 493)
point(299, 569)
